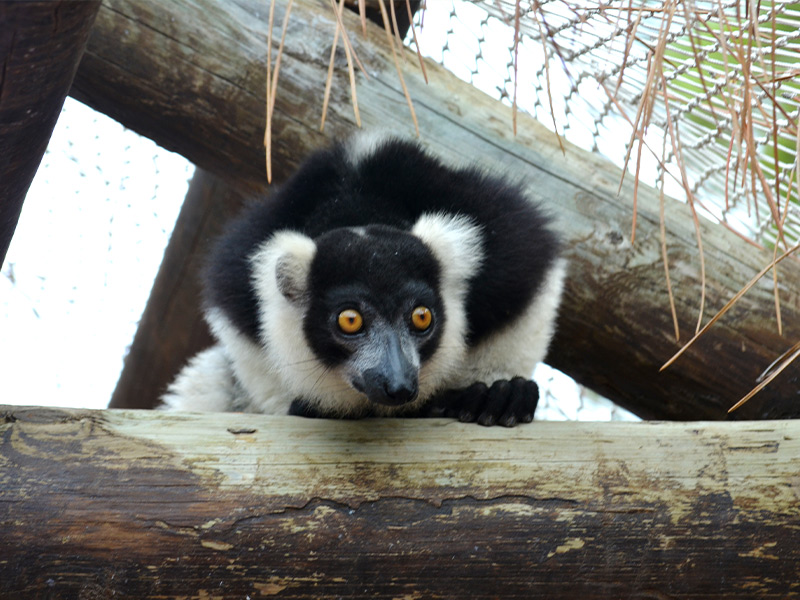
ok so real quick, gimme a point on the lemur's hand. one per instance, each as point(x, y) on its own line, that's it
point(505, 402)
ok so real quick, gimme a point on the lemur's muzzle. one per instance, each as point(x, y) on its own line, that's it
point(393, 379)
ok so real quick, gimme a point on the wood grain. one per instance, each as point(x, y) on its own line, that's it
point(143, 504)
point(191, 76)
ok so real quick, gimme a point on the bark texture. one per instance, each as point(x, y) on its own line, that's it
point(143, 504)
point(191, 76)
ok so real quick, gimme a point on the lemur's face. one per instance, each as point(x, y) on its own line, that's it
point(375, 310)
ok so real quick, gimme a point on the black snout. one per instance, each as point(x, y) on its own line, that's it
point(390, 388)
point(393, 381)
point(401, 392)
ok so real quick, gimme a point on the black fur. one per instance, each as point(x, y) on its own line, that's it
point(393, 187)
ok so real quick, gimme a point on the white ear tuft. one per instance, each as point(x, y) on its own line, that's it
point(364, 144)
point(284, 261)
point(455, 241)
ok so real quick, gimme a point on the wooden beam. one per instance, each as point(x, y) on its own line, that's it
point(41, 44)
point(191, 76)
point(144, 504)
point(172, 328)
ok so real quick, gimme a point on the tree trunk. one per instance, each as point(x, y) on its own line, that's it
point(191, 76)
point(172, 328)
point(147, 504)
point(41, 44)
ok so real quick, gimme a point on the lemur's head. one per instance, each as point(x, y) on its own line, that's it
point(374, 305)
point(376, 309)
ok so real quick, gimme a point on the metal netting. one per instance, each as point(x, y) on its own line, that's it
point(729, 71)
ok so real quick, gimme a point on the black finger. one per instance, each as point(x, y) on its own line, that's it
point(496, 400)
point(522, 403)
point(471, 401)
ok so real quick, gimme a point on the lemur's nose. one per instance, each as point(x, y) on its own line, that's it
point(401, 392)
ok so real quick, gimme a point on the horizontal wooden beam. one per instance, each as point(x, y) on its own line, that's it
point(145, 504)
point(190, 74)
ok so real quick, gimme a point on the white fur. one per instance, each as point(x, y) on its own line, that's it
point(364, 145)
point(513, 351)
point(456, 244)
point(284, 367)
point(517, 348)
point(206, 384)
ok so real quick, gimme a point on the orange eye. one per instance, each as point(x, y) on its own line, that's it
point(350, 321)
point(422, 318)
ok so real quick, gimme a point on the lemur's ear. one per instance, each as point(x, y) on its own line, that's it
point(285, 260)
point(294, 264)
point(455, 241)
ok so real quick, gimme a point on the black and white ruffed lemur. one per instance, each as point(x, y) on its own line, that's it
point(377, 281)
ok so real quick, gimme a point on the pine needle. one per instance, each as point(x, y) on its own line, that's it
point(395, 26)
point(514, 106)
point(268, 115)
point(362, 13)
point(390, 40)
point(540, 25)
point(676, 151)
point(663, 234)
point(350, 70)
point(272, 83)
point(329, 79)
point(792, 353)
point(416, 42)
point(348, 47)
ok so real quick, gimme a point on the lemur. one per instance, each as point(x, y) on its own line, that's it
point(379, 281)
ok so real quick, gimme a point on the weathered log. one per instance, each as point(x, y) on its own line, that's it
point(191, 76)
point(144, 504)
point(41, 44)
point(172, 328)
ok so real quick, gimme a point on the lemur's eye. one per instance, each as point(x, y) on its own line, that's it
point(350, 321)
point(421, 318)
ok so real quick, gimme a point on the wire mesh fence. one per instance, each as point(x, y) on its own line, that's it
point(706, 93)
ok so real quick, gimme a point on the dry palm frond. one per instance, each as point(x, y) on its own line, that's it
point(719, 82)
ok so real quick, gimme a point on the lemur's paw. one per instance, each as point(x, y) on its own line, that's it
point(505, 402)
